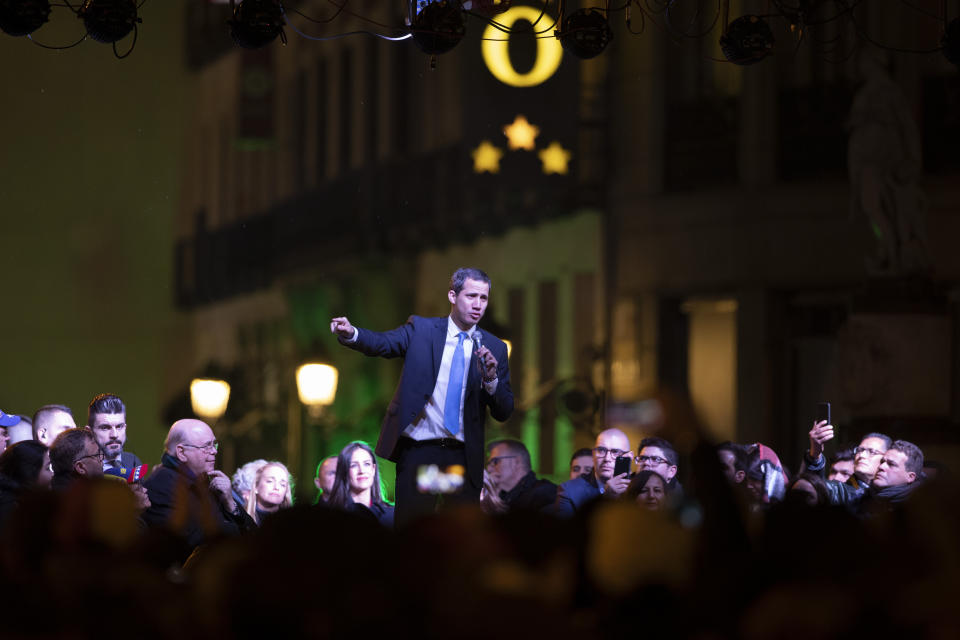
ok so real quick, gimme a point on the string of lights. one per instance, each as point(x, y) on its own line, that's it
point(437, 26)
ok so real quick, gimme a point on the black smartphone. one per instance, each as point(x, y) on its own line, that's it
point(823, 412)
point(622, 465)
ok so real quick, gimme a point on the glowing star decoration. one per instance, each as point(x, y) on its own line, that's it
point(521, 134)
point(555, 159)
point(486, 157)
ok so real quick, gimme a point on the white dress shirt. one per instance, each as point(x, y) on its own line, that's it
point(428, 424)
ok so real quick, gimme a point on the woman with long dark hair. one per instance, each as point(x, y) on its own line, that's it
point(23, 466)
point(357, 487)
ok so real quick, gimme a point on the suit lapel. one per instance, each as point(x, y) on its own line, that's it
point(439, 338)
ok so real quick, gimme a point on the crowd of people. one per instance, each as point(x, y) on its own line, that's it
point(639, 531)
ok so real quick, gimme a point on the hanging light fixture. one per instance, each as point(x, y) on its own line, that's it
point(747, 40)
point(437, 25)
point(23, 17)
point(585, 33)
point(257, 23)
point(108, 20)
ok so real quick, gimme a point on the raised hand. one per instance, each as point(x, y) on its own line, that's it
point(819, 434)
point(342, 327)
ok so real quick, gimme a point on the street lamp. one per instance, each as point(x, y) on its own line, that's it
point(209, 397)
point(317, 386)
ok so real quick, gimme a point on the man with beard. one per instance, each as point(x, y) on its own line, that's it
point(518, 486)
point(107, 419)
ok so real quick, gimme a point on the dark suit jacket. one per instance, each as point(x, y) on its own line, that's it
point(420, 342)
point(574, 494)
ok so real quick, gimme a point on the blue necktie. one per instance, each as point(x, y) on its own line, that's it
point(451, 405)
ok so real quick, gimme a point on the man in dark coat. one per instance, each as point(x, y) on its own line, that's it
point(452, 373)
point(187, 494)
point(516, 483)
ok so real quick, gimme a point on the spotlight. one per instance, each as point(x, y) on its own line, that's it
point(257, 23)
point(748, 40)
point(108, 20)
point(585, 33)
point(438, 27)
point(951, 42)
point(487, 7)
point(23, 17)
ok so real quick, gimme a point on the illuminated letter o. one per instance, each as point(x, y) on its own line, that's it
point(496, 54)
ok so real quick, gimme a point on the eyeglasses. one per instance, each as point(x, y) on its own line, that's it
point(654, 460)
point(210, 446)
point(867, 451)
point(98, 455)
point(493, 462)
point(602, 452)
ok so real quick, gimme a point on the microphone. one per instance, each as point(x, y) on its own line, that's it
point(130, 476)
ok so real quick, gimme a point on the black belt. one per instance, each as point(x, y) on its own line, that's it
point(443, 443)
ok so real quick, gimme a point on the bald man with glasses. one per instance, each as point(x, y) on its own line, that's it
point(188, 495)
point(574, 494)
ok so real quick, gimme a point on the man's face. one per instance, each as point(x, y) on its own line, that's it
point(55, 424)
point(328, 473)
point(504, 468)
point(652, 459)
point(199, 450)
point(892, 472)
point(110, 430)
point(608, 448)
point(470, 304)
point(90, 461)
point(841, 470)
point(581, 465)
point(728, 463)
point(867, 458)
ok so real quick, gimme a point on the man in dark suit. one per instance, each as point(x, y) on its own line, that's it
point(452, 373)
point(107, 419)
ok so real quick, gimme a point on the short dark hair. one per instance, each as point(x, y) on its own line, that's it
point(105, 403)
point(581, 453)
point(42, 412)
point(668, 451)
point(886, 439)
point(515, 447)
point(64, 450)
point(461, 275)
point(21, 462)
point(914, 455)
point(843, 455)
point(737, 451)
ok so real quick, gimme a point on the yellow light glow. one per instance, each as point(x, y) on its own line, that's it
point(486, 157)
point(209, 397)
point(317, 384)
point(509, 347)
point(555, 159)
point(495, 49)
point(521, 134)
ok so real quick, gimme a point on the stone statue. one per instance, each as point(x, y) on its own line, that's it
point(885, 163)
